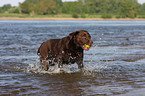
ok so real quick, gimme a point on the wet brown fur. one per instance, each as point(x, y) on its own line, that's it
point(67, 50)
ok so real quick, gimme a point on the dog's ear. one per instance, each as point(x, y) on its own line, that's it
point(73, 34)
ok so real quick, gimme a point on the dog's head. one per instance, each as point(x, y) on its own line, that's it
point(82, 39)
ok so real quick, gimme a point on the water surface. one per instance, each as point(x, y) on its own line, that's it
point(115, 65)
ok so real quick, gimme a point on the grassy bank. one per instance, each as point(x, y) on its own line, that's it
point(64, 17)
point(49, 16)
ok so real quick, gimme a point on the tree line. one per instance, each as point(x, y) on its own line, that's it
point(106, 8)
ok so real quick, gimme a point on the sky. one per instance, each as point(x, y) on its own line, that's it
point(16, 2)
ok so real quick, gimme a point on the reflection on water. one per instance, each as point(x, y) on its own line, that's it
point(113, 66)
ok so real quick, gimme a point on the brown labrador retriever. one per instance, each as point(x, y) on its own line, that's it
point(67, 50)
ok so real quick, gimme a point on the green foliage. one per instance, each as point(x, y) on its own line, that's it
point(128, 8)
point(108, 8)
point(69, 7)
point(14, 10)
point(25, 7)
point(46, 7)
point(83, 16)
point(38, 7)
point(105, 16)
point(58, 5)
point(75, 15)
point(5, 7)
point(142, 9)
point(143, 16)
point(32, 1)
point(118, 16)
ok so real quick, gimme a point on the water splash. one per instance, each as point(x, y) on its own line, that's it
point(89, 68)
point(37, 67)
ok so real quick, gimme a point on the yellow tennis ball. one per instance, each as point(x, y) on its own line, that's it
point(87, 46)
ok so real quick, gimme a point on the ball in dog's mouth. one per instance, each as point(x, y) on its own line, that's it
point(86, 47)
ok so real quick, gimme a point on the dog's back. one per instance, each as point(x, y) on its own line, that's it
point(66, 50)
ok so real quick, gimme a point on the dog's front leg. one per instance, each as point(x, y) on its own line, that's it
point(60, 62)
point(46, 64)
point(80, 61)
point(80, 64)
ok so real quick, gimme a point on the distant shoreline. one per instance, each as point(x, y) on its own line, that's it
point(54, 18)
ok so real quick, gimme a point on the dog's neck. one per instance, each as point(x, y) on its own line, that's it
point(72, 45)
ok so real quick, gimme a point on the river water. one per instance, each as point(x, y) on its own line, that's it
point(114, 66)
